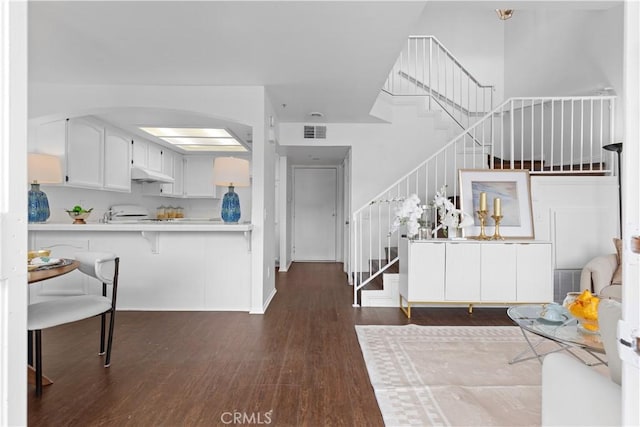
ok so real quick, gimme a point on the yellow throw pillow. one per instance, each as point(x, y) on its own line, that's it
point(617, 275)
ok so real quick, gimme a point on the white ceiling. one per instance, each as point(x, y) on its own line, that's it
point(323, 56)
point(326, 56)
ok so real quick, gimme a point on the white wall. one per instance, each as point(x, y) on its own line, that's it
point(473, 35)
point(284, 200)
point(563, 52)
point(242, 104)
point(64, 198)
point(267, 204)
point(381, 153)
point(579, 214)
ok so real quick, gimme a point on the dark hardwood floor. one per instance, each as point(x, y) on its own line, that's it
point(299, 364)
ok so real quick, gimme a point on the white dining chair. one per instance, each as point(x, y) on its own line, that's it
point(102, 266)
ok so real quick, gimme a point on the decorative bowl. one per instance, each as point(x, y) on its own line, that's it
point(584, 307)
point(79, 217)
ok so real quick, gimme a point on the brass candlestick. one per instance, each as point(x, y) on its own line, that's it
point(482, 214)
point(496, 233)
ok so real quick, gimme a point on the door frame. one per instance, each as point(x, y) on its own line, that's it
point(339, 217)
point(13, 215)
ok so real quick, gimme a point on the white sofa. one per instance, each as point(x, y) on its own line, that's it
point(597, 274)
point(574, 394)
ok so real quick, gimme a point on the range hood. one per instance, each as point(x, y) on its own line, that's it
point(141, 174)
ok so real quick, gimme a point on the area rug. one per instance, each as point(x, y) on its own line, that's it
point(451, 375)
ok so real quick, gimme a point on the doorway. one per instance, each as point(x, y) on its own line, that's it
point(315, 191)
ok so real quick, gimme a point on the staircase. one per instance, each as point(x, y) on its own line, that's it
point(546, 135)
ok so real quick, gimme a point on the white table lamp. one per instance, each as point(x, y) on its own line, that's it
point(41, 169)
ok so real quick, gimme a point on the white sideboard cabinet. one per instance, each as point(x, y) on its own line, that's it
point(441, 271)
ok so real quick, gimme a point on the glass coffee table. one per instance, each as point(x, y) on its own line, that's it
point(567, 334)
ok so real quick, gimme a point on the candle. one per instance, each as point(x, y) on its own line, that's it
point(483, 201)
point(497, 207)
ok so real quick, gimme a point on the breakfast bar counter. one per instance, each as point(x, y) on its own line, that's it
point(188, 265)
point(195, 225)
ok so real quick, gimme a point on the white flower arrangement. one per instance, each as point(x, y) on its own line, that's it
point(450, 217)
point(408, 214)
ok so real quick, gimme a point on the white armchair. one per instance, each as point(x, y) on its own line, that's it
point(597, 274)
point(574, 394)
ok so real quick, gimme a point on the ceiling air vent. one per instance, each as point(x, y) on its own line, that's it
point(315, 132)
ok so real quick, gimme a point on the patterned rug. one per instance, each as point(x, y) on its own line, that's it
point(451, 375)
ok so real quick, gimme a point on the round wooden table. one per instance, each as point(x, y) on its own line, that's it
point(65, 267)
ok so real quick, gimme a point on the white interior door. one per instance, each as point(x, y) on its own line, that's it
point(314, 214)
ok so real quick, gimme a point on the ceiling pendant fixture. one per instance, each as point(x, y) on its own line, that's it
point(504, 14)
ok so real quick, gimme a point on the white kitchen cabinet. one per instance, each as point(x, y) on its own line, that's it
point(154, 157)
point(198, 176)
point(139, 152)
point(178, 175)
point(146, 154)
point(117, 161)
point(93, 154)
point(472, 272)
point(172, 165)
point(168, 158)
point(84, 154)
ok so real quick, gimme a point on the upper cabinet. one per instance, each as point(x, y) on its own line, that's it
point(198, 176)
point(117, 155)
point(154, 157)
point(99, 156)
point(147, 155)
point(93, 155)
point(139, 152)
point(172, 165)
point(84, 154)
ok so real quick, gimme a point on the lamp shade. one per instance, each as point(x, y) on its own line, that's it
point(231, 172)
point(44, 168)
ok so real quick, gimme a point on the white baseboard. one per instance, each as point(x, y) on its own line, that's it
point(266, 303)
point(284, 269)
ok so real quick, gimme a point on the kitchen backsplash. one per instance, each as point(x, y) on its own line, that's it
point(63, 198)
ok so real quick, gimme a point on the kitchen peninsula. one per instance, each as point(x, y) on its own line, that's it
point(190, 265)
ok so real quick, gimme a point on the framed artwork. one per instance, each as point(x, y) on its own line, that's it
point(512, 188)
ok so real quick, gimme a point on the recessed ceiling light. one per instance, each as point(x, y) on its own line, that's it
point(197, 132)
point(219, 148)
point(197, 139)
point(316, 114)
point(200, 141)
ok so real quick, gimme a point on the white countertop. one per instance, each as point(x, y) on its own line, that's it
point(153, 226)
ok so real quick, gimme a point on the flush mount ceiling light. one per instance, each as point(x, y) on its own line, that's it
point(197, 139)
point(316, 114)
point(504, 14)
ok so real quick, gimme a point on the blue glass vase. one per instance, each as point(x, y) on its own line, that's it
point(230, 206)
point(38, 204)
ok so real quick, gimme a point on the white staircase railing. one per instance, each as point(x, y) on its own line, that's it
point(555, 135)
point(427, 68)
